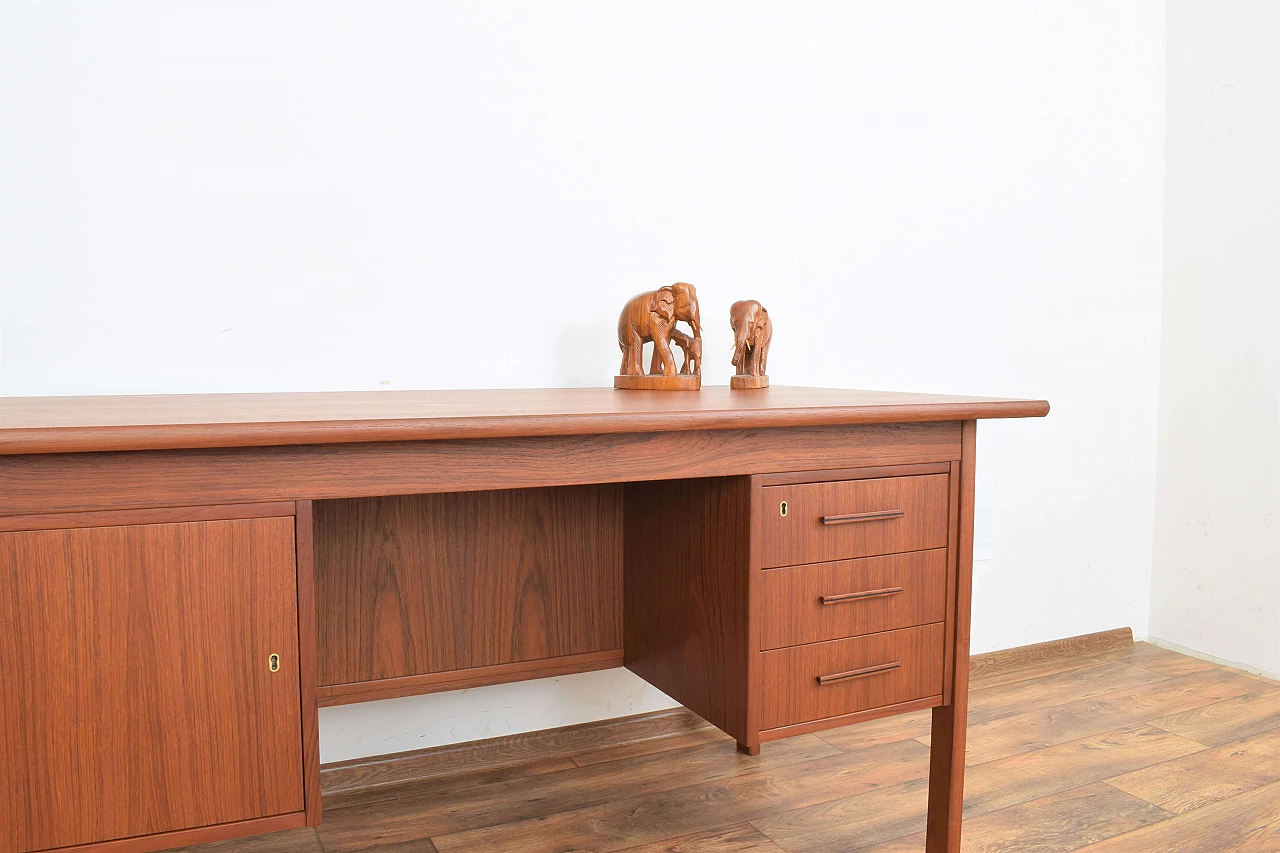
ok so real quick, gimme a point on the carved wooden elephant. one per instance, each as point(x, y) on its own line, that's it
point(686, 309)
point(647, 317)
point(752, 331)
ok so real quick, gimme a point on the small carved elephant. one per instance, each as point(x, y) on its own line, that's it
point(646, 317)
point(752, 331)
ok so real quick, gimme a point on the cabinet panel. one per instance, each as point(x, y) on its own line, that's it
point(135, 666)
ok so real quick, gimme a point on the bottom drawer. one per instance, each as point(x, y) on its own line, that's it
point(810, 682)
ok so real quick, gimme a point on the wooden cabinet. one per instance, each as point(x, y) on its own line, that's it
point(778, 604)
point(149, 678)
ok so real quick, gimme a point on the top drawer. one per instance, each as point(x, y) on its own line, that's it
point(853, 518)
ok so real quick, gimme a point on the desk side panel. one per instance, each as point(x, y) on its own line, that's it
point(687, 602)
point(75, 482)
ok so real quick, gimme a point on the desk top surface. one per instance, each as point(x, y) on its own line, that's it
point(171, 421)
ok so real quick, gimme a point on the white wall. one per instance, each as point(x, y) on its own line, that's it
point(1216, 580)
point(933, 196)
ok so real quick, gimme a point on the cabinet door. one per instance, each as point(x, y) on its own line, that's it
point(136, 689)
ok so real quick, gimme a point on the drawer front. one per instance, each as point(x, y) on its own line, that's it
point(820, 680)
point(853, 518)
point(829, 601)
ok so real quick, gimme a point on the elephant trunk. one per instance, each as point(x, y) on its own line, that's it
point(740, 344)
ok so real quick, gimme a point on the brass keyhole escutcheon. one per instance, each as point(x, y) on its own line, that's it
point(273, 663)
point(782, 509)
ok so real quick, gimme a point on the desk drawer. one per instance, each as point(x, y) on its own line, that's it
point(820, 680)
point(828, 601)
point(853, 518)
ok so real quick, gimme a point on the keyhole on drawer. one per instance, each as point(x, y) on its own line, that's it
point(782, 509)
point(273, 663)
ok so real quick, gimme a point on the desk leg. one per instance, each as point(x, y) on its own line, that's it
point(946, 778)
point(946, 755)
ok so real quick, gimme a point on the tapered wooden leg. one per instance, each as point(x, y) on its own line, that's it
point(946, 779)
point(946, 754)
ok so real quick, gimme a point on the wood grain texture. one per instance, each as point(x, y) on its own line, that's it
point(1054, 724)
point(166, 515)
point(87, 424)
point(73, 482)
point(680, 792)
point(1223, 722)
point(463, 679)
point(440, 812)
point(1206, 777)
point(871, 472)
point(794, 610)
point(1249, 823)
point(240, 835)
point(950, 721)
point(135, 668)
point(687, 547)
point(801, 536)
point(791, 692)
point(684, 805)
point(425, 584)
point(527, 748)
point(304, 539)
point(987, 665)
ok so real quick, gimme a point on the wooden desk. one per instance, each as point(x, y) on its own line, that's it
point(185, 579)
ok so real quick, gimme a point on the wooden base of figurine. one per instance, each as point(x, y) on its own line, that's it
point(679, 382)
point(743, 383)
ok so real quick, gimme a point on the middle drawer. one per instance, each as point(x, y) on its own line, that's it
point(828, 601)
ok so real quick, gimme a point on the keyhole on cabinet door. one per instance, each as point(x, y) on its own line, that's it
point(273, 663)
point(782, 509)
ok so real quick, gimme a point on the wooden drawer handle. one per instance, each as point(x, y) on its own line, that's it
point(850, 518)
point(858, 596)
point(859, 673)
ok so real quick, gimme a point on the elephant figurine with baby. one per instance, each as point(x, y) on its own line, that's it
point(652, 316)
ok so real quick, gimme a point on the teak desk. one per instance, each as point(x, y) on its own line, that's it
point(184, 579)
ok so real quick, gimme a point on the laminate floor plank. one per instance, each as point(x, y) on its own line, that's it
point(1056, 824)
point(1224, 722)
point(633, 821)
point(446, 812)
point(652, 746)
point(1072, 720)
point(1196, 780)
point(740, 838)
point(893, 811)
point(1247, 823)
point(1058, 688)
point(445, 782)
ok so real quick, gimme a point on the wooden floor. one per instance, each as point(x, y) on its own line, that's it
point(1134, 749)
